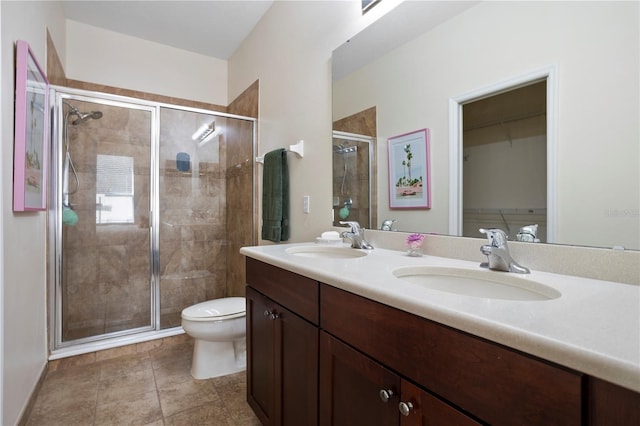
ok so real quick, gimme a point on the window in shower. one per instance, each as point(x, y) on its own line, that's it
point(114, 189)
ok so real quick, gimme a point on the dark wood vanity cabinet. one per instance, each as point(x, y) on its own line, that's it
point(610, 404)
point(496, 384)
point(320, 355)
point(356, 390)
point(282, 346)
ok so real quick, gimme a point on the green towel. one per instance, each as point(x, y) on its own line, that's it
point(275, 196)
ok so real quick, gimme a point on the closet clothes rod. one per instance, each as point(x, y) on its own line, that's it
point(507, 211)
point(505, 120)
point(297, 148)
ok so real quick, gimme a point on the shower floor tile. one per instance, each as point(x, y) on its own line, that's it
point(147, 388)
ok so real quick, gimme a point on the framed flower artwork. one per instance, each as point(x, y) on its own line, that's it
point(409, 171)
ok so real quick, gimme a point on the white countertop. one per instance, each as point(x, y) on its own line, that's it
point(593, 327)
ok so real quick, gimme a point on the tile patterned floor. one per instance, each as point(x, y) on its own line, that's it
point(148, 388)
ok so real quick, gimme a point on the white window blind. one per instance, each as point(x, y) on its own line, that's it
point(114, 189)
point(114, 175)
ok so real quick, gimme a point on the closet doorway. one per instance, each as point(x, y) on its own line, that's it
point(514, 116)
point(504, 161)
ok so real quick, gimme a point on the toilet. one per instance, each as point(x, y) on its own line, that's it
point(219, 328)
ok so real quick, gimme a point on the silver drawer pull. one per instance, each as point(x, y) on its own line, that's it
point(271, 314)
point(405, 408)
point(386, 394)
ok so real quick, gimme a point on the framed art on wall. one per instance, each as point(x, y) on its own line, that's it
point(409, 171)
point(31, 132)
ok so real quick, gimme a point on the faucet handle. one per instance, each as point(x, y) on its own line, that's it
point(355, 226)
point(497, 237)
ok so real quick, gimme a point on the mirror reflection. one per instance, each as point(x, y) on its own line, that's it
point(593, 169)
point(504, 162)
point(352, 186)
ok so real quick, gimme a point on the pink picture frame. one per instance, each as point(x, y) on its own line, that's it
point(409, 171)
point(31, 132)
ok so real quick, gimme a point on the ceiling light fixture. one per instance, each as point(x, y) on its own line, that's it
point(204, 131)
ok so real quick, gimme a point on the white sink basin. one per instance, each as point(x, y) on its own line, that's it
point(326, 252)
point(481, 283)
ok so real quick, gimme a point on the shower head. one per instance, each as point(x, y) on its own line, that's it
point(343, 149)
point(83, 116)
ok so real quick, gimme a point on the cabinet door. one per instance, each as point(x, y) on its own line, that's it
point(261, 353)
point(296, 369)
point(282, 364)
point(351, 385)
point(419, 408)
point(612, 405)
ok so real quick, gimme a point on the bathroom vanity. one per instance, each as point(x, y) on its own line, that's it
point(335, 340)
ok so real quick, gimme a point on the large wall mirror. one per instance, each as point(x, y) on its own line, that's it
point(413, 63)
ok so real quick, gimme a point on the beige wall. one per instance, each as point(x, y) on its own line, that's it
point(597, 53)
point(113, 59)
point(23, 274)
point(289, 51)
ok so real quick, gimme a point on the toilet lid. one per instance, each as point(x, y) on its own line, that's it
point(216, 308)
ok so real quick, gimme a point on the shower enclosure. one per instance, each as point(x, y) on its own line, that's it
point(353, 195)
point(137, 214)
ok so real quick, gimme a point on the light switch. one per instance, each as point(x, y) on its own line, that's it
point(305, 204)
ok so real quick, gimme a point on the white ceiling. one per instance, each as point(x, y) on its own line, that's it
point(405, 22)
point(211, 28)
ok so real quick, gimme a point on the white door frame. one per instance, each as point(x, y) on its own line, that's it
point(550, 74)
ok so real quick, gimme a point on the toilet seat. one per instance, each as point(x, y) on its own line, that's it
point(216, 309)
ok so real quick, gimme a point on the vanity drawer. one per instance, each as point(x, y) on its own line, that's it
point(497, 384)
point(297, 293)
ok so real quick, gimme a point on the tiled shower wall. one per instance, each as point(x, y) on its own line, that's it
point(362, 123)
point(355, 186)
point(240, 184)
point(106, 267)
point(192, 215)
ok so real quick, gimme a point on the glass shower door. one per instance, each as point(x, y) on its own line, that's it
point(192, 211)
point(353, 192)
point(105, 284)
point(138, 215)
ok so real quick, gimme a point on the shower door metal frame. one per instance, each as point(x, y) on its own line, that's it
point(60, 94)
point(369, 140)
point(58, 348)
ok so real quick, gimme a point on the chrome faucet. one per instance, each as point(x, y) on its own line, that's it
point(528, 234)
point(356, 235)
point(497, 253)
point(387, 225)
